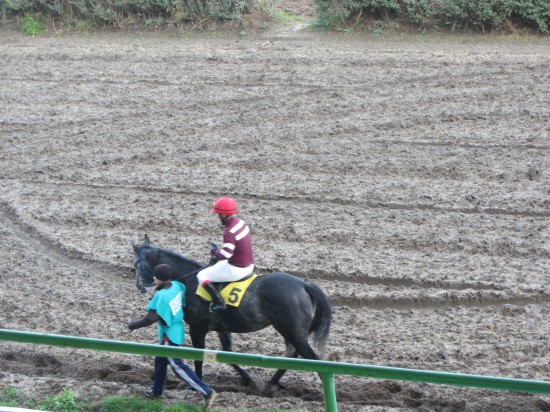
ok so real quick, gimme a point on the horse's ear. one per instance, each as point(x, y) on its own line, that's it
point(146, 240)
point(136, 248)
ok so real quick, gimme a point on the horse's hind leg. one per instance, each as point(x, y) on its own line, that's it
point(273, 384)
point(305, 350)
point(301, 348)
point(227, 345)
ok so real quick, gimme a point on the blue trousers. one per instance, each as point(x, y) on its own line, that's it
point(182, 371)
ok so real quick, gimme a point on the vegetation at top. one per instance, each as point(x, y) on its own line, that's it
point(90, 14)
point(481, 16)
point(441, 15)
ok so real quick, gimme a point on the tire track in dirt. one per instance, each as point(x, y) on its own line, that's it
point(355, 86)
point(40, 243)
point(482, 300)
point(454, 144)
point(468, 294)
point(474, 210)
point(517, 247)
point(315, 88)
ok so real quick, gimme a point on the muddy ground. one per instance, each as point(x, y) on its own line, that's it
point(407, 176)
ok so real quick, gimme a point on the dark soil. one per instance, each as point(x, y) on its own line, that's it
point(407, 176)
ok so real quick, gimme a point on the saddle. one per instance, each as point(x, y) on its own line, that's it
point(231, 292)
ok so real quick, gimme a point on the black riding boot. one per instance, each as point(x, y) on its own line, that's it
point(217, 303)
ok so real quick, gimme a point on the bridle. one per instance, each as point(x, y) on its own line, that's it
point(142, 268)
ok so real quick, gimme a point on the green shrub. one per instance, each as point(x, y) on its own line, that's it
point(83, 25)
point(326, 21)
point(14, 7)
point(117, 12)
point(480, 15)
point(32, 25)
point(533, 12)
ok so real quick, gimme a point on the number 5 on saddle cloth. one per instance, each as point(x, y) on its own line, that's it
point(232, 293)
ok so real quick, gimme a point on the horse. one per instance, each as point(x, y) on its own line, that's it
point(294, 307)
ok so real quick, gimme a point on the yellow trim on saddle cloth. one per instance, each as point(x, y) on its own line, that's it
point(232, 294)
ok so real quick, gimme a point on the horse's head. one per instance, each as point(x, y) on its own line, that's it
point(147, 256)
point(144, 261)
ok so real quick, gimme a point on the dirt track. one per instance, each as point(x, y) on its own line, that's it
point(408, 178)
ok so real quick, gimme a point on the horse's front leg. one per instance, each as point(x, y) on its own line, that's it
point(198, 339)
point(227, 345)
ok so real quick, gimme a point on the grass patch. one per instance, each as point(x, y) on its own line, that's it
point(135, 404)
point(66, 402)
point(9, 397)
point(33, 25)
point(284, 17)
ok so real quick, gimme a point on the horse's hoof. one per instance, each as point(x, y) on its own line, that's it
point(271, 388)
point(257, 384)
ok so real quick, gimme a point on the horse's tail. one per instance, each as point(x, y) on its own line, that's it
point(320, 324)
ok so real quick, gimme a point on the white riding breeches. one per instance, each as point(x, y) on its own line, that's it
point(222, 271)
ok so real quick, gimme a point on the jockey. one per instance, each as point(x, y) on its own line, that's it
point(235, 259)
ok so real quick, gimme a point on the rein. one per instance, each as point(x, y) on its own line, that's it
point(212, 261)
point(193, 272)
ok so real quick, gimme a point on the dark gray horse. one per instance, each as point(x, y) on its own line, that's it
point(294, 307)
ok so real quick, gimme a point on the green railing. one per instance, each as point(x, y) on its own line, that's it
point(326, 369)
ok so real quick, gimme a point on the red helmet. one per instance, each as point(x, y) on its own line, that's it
point(225, 206)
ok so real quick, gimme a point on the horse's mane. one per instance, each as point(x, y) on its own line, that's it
point(175, 255)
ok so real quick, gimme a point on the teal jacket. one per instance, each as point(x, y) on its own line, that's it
point(169, 304)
